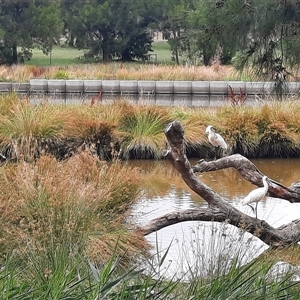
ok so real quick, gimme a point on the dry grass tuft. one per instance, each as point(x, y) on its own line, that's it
point(115, 70)
point(80, 202)
point(26, 128)
point(142, 131)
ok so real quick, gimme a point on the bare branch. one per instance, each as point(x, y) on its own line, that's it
point(219, 209)
point(249, 171)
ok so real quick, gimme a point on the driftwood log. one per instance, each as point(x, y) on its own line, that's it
point(219, 209)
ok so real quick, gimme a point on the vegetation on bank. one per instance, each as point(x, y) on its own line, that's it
point(65, 198)
point(123, 130)
point(64, 235)
point(118, 70)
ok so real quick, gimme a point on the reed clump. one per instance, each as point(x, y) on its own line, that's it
point(124, 130)
point(142, 129)
point(267, 130)
point(80, 202)
point(64, 206)
point(26, 130)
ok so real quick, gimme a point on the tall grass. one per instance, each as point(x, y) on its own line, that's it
point(114, 70)
point(125, 130)
point(78, 203)
point(63, 221)
point(143, 130)
point(269, 130)
point(25, 129)
point(194, 123)
point(62, 276)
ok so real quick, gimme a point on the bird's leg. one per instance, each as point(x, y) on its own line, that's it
point(256, 210)
point(253, 209)
point(216, 153)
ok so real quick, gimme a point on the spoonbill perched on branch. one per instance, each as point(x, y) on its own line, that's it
point(215, 139)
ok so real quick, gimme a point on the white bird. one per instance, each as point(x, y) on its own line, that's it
point(215, 139)
point(256, 195)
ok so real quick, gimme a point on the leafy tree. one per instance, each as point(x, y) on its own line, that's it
point(177, 25)
point(110, 29)
point(27, 24)
point(260, 34)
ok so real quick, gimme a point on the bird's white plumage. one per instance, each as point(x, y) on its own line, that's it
point(214, 138)
point(257, 194)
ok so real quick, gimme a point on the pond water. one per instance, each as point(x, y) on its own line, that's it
point(201, 248)
point(186, 100)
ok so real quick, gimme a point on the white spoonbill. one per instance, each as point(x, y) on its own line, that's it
point(215, 139)
point(256, 195)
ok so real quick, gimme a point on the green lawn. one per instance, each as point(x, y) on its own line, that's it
point(58, 56)
point(67, 56)
point(162, 49)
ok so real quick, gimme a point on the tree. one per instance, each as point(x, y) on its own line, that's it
point(25, 25)
point(171, 19)
point(177, 26)
point(110, 29)
point(260, 34)
point(219, 209)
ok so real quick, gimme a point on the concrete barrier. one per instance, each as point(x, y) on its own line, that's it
point(255, 88)
point(269, 88)
point(293, 87)
point(182, 87)
point(128, 86)
point(20, 87)
point(56, 86)
point(74, 86)
point(237, 86)
point(200, 87)
point(5, 87)
point(146, 86)
point(38, 85)
point(218, 87)
point(111, 86)
point(164, 87)
point(92, 86)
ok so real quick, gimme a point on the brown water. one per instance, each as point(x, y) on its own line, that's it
point(200, 246)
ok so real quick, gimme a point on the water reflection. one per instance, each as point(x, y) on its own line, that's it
point(204, 247)
point(186, 100)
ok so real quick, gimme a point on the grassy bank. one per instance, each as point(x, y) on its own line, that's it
point(64, 63)
point(117, 70)
point(65, 197)
point(123, 130)
point(65, 236)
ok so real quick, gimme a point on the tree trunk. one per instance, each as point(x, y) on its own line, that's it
point(126, 56)
point(176, 50)
point(219, 209)
point(14, 54)
point(105, 48)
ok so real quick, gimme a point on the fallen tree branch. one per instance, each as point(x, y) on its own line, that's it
point(249, 171)
point(219, 209)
